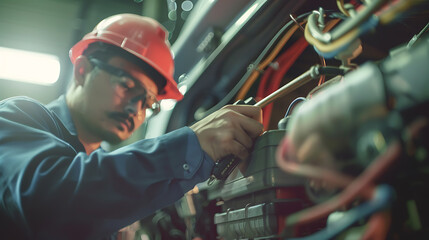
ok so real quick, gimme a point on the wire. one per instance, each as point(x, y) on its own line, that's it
point(332, 49)
point(331, 177)
point(285, 61)
point(335, 45)
point(361, 186)
point(325, 85)
point(345, 27)
point(378, 226)
point(279, 46)
point(391, 13)
point(383, 196)
point(328, 27)
point(328, 44)
point(340, 4)
point(418, 36)
point(322, 63)
point(240, 83)
point(293, 103)
point(243, 91)
point(354, 22)
point(255, 74)
point(310, 74)
point(379, 223)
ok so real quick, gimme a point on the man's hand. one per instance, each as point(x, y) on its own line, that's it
point(230, 130)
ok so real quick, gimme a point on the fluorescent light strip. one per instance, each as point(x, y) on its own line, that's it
point(31, 67)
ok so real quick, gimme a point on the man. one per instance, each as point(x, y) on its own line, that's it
point(55, 180)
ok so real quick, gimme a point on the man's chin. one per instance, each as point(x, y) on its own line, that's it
point(116, 137)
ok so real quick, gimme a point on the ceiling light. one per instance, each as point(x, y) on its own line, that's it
point(26, 66)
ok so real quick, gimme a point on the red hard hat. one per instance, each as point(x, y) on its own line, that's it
point(141, 36)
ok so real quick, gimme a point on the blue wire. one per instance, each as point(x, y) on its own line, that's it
point(383, 196)
point(293, 103)
point(365, 27)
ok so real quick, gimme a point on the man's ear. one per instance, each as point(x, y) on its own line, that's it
point(82, 67)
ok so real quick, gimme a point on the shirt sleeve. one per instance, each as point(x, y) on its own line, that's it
point(51, 191)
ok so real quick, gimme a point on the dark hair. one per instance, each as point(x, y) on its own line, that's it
point(104, 52)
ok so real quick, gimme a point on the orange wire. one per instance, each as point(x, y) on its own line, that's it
point(255, 74)
point(269, 59)
point(327, 28)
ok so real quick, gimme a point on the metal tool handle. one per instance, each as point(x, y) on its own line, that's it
point(226, 165)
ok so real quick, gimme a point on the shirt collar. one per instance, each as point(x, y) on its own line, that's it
point(60, 108)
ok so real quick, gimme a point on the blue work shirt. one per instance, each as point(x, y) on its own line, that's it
point(51, 189)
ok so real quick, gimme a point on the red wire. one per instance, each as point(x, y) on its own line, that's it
point(361, 186)
point(285, 61)
point(378, 226)
point(263, 83)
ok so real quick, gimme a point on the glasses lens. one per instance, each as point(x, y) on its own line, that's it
point(128, 84)
point(153, 107)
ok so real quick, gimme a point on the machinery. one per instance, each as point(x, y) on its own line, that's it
point(345, 152)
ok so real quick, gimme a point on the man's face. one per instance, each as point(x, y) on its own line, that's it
point(115, 98)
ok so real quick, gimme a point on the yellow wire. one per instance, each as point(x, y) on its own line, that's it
point(385, 17)
point(333, 45)
point(340, 4)
point(255, 74)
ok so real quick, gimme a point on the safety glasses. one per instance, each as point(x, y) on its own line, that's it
point(126, 85)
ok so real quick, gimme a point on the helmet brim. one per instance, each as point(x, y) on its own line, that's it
point(170, 90)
